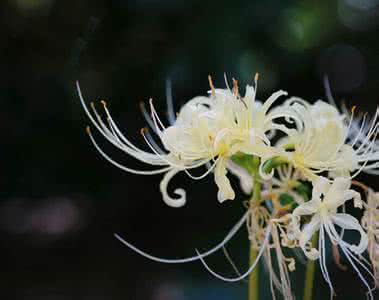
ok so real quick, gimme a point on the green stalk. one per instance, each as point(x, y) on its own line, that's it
point(310, 274)
point(253, 291)
point(273, 163)
point(253, 277)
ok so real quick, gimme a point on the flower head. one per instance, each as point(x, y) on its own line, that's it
point(208, 131)
point(326, 199)
point(323, 141)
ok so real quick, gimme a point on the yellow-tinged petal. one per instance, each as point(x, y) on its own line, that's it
point(306, 235)
point(225, 191)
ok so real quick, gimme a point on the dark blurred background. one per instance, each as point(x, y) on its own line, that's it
point(60, 202)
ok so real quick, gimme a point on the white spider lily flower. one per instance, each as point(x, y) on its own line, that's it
point(370, 222)
point(208, 130)
point(321, 142)
point(319, 146)
point(326, 199)
point(219, 126)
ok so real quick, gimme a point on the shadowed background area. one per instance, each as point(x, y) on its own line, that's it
point(60, 202)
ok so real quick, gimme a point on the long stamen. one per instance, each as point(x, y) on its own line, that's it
point(226, 82)
point(172, 164)
point(154, 143)
point(323, 267)
point(358, 273)
point(157, 121)
point(124, 168)
point(118, 132)
point(361, 128)
point(170, 103)
point(132, 151)
point(98, 127)
point(328, 91)
point(251, 268)
point(346, 247)
point(209, 170)
point(148, 118)
point(230, 260)
point(211, 86)
point(227, 238)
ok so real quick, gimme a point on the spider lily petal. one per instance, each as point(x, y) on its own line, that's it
point(306, 235)
point(346, 221)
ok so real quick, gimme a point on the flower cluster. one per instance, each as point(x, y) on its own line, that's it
point(296, 161)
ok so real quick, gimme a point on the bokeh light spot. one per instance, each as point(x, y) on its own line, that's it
point(35, 7)
point(299, 29)
point(357, 14)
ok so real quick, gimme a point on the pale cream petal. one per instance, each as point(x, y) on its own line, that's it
point(347, 221)
point(351, 194)
point(307, 208)
point(267, 104)
point(306, 235)
point(335, 196)
point(320, 187)
point(173, 202)
point(225, 191)
point(309, 229)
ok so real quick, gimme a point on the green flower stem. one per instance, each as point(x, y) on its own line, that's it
point(273, 163)
point(253, 292)
point(253, 277)
point(310, 274)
